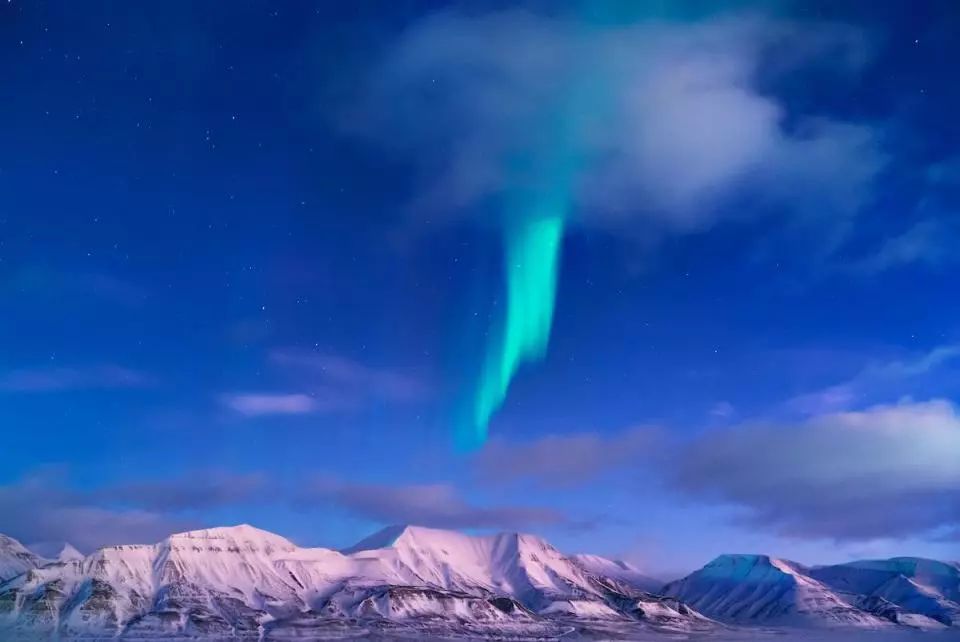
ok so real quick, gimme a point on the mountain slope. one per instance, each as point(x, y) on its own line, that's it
point(758, 588)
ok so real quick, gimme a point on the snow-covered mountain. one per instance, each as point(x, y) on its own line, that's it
point(902, 589)
point(245, 581)
point(242, 582)
point(745, 589)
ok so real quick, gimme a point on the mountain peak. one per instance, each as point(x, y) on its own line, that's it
point(246, 534)
point(9, 543)
point(752, 566)
point(382, 538)
point(69, 554)
point(399, 535)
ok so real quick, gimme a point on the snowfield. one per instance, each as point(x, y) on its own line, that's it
point(409, 582)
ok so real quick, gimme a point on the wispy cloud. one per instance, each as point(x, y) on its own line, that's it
point(58, 378)
point(437, 505)
point(253, 404)
point(722, 410)
point(352, 378)
point(875, 378)
point(929, 242)
point(326, 383)
point(44, 280)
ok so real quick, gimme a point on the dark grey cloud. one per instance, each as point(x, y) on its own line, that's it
point(46, 507)
point(665, 122)
point(197, 491)
point(436, 505)
point(42, 509)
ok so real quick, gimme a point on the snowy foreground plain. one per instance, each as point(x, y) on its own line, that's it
point(411, 583)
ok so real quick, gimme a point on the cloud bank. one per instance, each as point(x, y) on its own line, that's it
point(888, 471)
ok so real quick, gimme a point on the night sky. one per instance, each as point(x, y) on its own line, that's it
point(252, 257)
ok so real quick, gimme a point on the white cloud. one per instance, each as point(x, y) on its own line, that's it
point(350, 378)
point(887, 471)
point(659, 124)
point(876, 379)
point(254, 404)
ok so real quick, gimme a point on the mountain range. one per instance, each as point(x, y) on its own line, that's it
point(243, 582)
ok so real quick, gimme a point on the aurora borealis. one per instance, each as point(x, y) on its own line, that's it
point(532, 256)
point(540, 198)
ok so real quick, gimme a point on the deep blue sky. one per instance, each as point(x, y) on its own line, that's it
point(237, 284)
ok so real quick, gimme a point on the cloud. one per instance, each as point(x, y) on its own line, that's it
point(564, 460)
point(875, 379)
point(351, 378)
point(723, 410)
point(664, 123)
point(327, 383)
point(929, 242)
point(191, 492)
point(39, 509)
point(253, 404)
point(61, 282)
point(887, 471)
point(59, 378)
point(436, 505)
point(43, 507)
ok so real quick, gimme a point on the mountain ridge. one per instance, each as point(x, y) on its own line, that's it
point(241, 581)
